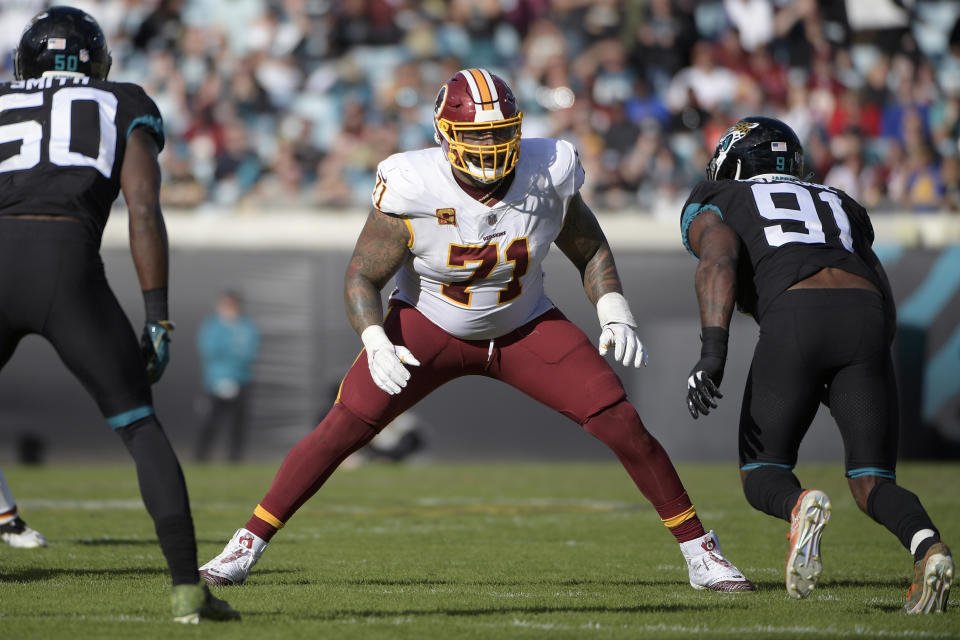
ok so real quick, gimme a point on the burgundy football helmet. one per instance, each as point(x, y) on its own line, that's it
point(478, 124)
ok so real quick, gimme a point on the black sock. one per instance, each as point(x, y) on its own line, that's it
point(924, 546)
point(773, 490)
point(164, 493)
point(901, 513)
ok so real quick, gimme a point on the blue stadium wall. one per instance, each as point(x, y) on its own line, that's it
point(296, 297)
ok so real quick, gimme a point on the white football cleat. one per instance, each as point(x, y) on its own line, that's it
point(933, 577)
point(807, 520)
point(16, 533)
point(708, 568)
point(235, 561)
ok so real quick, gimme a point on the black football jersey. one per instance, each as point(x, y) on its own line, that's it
point(62, 140)
point(789, 230)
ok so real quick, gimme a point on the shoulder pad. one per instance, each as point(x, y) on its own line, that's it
point(141, 109)
point(558, 159)
point(569, 160)
point(702, 198)
point(858, 217)
point(399, 184)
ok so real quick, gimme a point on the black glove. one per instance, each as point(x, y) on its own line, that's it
point(707, 374)
point(155, 345)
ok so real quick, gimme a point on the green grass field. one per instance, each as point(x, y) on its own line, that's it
point(460, 551)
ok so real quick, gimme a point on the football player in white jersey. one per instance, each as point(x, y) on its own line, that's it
point(464, 227)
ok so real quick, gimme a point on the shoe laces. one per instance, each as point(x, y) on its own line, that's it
point(719, 560)
point(236, 555)
point(702, 562)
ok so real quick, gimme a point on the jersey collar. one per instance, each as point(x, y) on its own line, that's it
point(69, 74)
point(779, 177)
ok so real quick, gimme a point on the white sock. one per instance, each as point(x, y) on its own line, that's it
point(919, 537)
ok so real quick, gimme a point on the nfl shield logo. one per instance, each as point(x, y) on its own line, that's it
point(447, 215)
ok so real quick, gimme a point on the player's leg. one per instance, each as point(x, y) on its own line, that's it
point(863, 401)
point(21, 299)
point(768, 453)
point(360, 411)
point(781, 397)
point(553, 361)
point(13, 530)
point(93, 337)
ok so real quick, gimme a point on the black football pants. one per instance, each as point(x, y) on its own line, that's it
point(818, 345)
point(52, 283)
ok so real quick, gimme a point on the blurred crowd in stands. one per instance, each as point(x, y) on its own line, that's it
point(278, 104)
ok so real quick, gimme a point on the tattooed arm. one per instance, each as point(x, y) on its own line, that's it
point(379, 252)
point(718, 248)
point(583, 242)
point(381, 249)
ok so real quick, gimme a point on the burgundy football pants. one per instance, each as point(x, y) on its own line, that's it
point(550, 359)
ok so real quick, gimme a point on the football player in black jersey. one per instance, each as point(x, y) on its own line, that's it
point(71, 141)
point(797, 256)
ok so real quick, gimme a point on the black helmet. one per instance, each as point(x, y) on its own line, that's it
point(754, 146)
point(62, 39)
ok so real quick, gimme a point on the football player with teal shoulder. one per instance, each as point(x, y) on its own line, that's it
point(83, 139)
point(798, 257)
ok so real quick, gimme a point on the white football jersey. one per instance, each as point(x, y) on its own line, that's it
point(474, 269)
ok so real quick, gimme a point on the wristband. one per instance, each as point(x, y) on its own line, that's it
point(714, 341)
point(374, 337)
point(155, 304)
point(613, 307)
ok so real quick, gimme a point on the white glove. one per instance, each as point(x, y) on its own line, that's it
point(386, 360)
point(619, 330)
point(627, 346)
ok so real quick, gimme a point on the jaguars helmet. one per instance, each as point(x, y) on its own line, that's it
point(755, 146)
point(62, 39)
point(477, 124)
